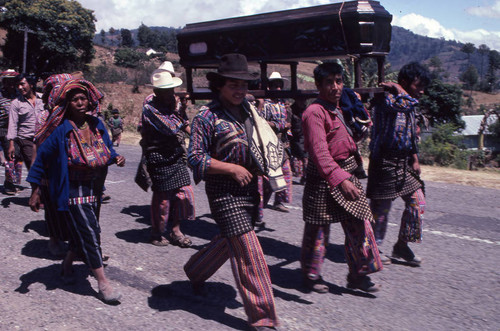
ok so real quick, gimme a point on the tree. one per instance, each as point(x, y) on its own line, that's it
point(112, 31)
point(61, 38)
point(144, 35)
point(493, 66)
point(483, 50)
point(470, 77)
point(103, 36)
point(468, 49)
point(128, 58)
point(441, 103)
point(127, 40)
point(436, 66)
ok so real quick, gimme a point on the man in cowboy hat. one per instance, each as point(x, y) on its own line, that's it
point(226, 151)
point(173, 198)
point(274, 112)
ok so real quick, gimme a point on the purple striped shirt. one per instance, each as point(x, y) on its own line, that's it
point(216, 134)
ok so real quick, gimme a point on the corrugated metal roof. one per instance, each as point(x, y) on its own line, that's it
point(472, 123)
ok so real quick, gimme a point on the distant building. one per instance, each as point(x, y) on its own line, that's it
point(471, 132)
point(151, 51)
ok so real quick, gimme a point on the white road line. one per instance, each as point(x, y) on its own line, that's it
point(438, 233)
point(114, 182)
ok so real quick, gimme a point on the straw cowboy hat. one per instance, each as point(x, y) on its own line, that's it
point(166, 66)
point(164, 79)
point(276, 76)
point(233, 66)
point(9, 73)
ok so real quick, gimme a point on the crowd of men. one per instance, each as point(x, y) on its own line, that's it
point(318, 142)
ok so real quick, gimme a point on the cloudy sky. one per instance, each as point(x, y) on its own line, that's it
point(475, 21)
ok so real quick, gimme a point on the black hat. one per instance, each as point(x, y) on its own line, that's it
point(233, 66)
point(115, 111)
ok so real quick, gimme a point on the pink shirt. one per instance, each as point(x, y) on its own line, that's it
point(326, 140)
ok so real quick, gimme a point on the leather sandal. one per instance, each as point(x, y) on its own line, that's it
point(181, 241)
point(316, 285)
point(159, 241)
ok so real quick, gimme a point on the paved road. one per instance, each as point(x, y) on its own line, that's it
point(457, 287)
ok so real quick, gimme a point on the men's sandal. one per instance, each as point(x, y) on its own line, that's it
point(316, 285)
point(404, 253)
point(159, 241)
point(181, 241)
point(362, 283)
point(384, 258)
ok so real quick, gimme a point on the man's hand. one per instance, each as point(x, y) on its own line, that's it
point(11, 152)
point(416, 165)
point(349, 190)
point(241, 175)
point(393, 88)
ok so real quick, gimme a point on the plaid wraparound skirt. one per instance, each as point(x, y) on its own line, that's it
point(167, 170)
point(235, 209)
point(390, 178)
point(323, 205)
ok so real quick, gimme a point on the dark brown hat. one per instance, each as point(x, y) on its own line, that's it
point(233, 66)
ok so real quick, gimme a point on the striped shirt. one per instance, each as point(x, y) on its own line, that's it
point(216, 134)
point(160, 118)
point(394, 126)
point(274, 112)
point(4, 112)
point(327, 141)
point(23, 117)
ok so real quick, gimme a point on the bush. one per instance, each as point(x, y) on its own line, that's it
point(444, 148)
point(104, 74)
point(129, 58)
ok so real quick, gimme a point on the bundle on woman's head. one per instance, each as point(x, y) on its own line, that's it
point(60, 99)
point(63, 91)
point(49, 87)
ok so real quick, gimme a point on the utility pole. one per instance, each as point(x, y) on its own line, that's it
point(25, 49)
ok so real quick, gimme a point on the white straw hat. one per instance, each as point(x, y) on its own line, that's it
point(275, 76)
point(166, 66)
point(164, 79)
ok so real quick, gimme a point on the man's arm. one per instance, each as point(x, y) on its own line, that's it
point(12, 129)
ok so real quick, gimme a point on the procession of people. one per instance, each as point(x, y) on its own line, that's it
point(242, 152)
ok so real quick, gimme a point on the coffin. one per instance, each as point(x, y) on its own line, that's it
point(352, 28)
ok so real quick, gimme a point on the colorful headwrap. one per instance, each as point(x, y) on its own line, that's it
point(50, 85)
point(60, 102)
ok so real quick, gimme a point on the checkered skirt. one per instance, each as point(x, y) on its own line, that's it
point(390, 178)
point(235, 209)
point(167, 170)
point(323, 205)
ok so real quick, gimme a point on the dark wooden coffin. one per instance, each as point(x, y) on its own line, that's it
point(319, 32)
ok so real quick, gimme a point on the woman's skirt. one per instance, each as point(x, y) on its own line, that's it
point(83, 220)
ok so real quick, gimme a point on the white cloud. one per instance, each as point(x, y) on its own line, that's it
point(492, 11)
point(431, 28)
point(177, 13)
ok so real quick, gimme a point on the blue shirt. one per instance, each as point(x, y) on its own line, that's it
point(394, 127)
point(52, 161)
